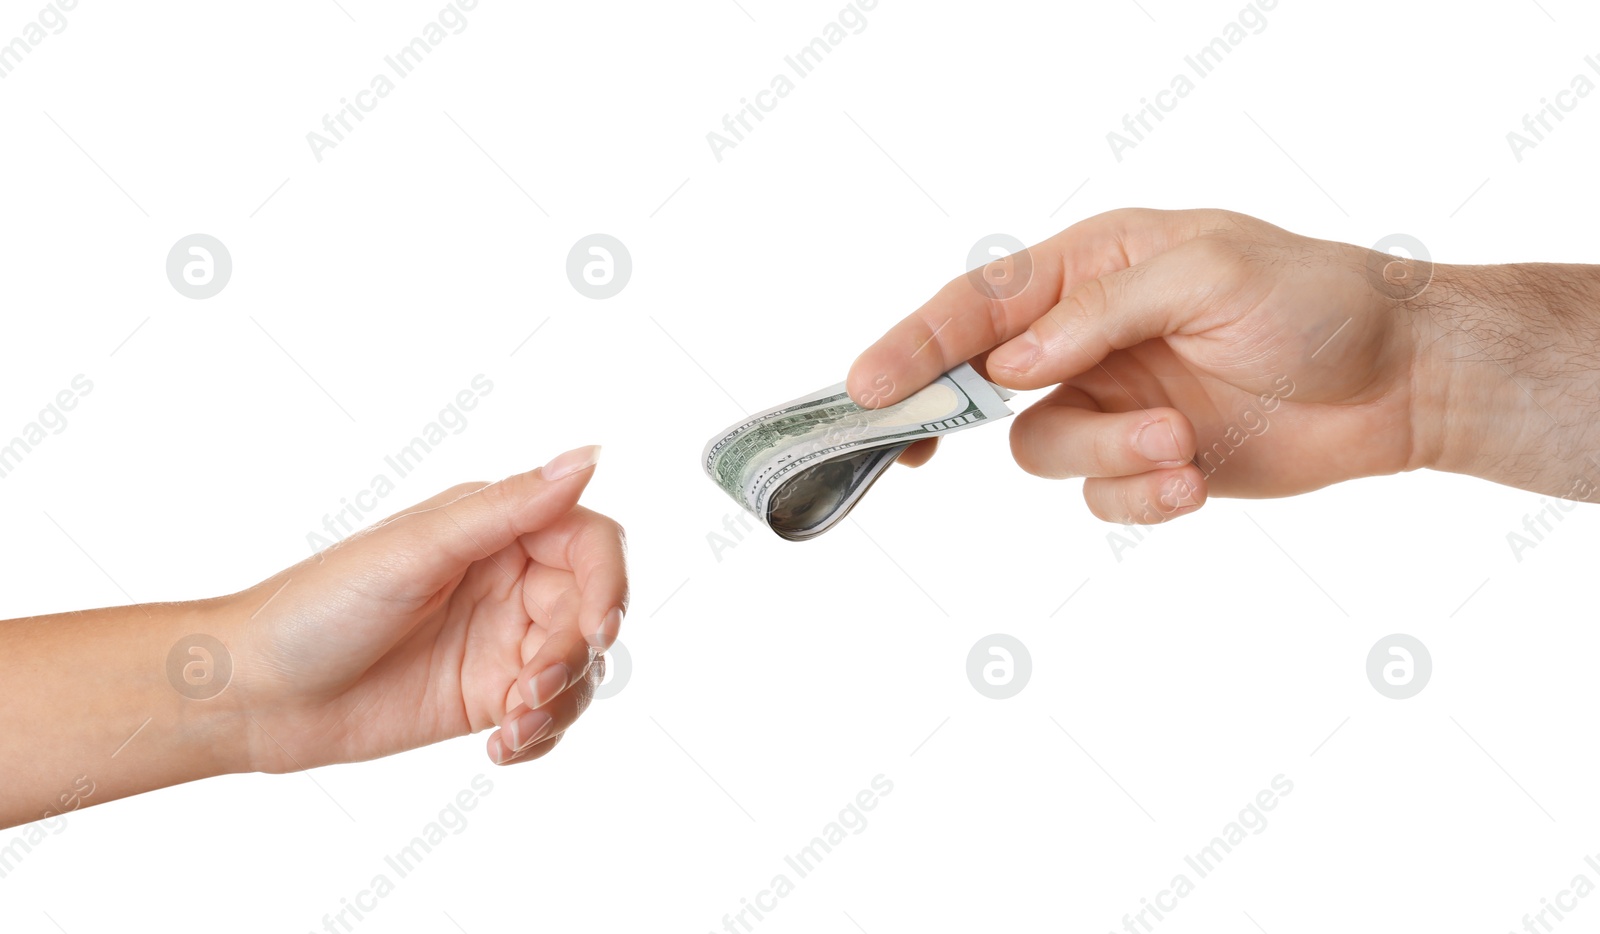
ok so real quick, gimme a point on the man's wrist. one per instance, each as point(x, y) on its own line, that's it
point(1503, 382)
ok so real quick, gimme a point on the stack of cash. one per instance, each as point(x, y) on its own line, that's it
point(800, 467)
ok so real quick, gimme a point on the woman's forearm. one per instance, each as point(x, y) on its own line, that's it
point(92, 708)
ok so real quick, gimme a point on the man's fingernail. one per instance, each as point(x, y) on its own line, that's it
point(565, 465)
point(528, 728)
point(547, 684)
point(606, 633)
point(1179, 494)
point(1019, 354)
point(1158, 442)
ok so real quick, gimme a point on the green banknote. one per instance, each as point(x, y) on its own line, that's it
point(801, 466)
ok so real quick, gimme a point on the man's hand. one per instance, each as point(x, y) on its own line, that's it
point(1199, 352)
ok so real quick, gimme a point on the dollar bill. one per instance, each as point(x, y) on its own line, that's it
point(800, 467)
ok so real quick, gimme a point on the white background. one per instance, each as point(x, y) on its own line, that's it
point(771, 683)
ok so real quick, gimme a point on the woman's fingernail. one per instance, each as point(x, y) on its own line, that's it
point(528, 728)
point(606, 633)
point(1019, 354)
point(547, 684)
point(502, 752)
point(565, 465)
point(1158, 442)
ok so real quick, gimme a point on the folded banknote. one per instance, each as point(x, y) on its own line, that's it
point(801, 466)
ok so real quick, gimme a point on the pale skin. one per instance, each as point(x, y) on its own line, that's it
point(486, 607)
point(1163, 333)
point(1171, 337)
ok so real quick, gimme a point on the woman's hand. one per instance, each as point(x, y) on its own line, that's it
point(484, 606)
